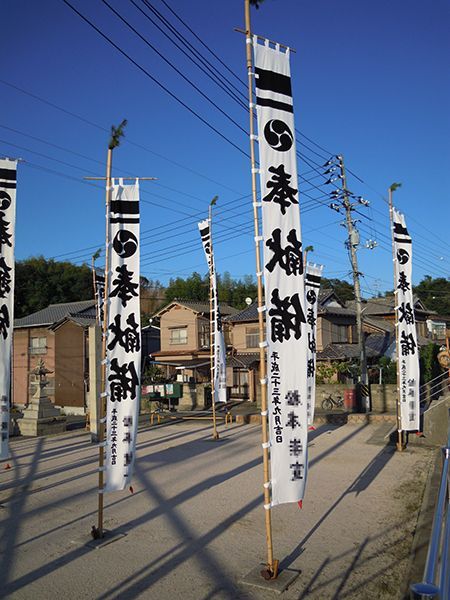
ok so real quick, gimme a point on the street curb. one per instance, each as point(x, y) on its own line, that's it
point(424, 524)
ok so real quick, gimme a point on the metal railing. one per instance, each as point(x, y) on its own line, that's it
point(436, 577)
point(434, 388)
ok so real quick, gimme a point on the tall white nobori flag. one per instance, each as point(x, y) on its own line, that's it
point(99, 292)
point(286, 331)
point(123, 340)
point(219, 363)
point(8, 179)
point(405, 322)
point(312, 286)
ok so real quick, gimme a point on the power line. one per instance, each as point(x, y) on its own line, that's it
point(158, 83)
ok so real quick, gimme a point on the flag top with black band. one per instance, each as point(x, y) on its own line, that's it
point(8, 179)
point(286, 334)
point(219, 363)
point(312, 286)
point(407, 348)
point(123, 341)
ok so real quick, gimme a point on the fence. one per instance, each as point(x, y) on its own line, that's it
point(436, 577)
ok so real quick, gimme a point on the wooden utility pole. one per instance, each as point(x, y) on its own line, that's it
point(352, 243)
point(271, 570)
point(400, 444)
point(212, 337)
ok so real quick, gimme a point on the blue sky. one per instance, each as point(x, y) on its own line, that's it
point(370, 82)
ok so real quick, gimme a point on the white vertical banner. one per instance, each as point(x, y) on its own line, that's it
point(123, 340)
point(8, 180)
point(283, 275)
point(219, 363)
point(405, 322)
point(312, 285)
point(99, 292)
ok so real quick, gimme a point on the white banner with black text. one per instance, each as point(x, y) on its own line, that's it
point(99, 291)
point(286, 331)
point(8, 180)
point(123, 340)
point(219, 363)
point(405, 322)
point(312, 287)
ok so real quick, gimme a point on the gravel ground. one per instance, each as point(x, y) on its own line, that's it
point(195, 523)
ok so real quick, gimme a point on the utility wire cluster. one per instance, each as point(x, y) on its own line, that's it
point(313, 183)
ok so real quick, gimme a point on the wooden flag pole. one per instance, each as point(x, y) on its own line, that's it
point(99, 533)
point(271, 570)
point(211, 322)
point(400, 444)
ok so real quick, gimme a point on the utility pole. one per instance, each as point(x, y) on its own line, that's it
point(352, 243)
point(212, 333)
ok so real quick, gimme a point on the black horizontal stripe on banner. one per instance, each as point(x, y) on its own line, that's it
point(125, 207)
point(274, 104)
point(123, 220)
point(402, 241)
point(399, 229)
point(275, 82)
point(8, 174)
point(8, 185)
point(315, 278)
point(312, 285)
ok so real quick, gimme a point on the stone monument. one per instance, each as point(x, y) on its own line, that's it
point(41, 417)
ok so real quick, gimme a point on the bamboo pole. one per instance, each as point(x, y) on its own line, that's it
point(272, 566)
point(102, 415)
point(400, 445)
point(212, 353)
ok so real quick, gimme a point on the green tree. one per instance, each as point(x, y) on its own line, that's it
point(343, 289)
point(434, 293)
point(40, 282)
point(429, 365)
point(195, 287)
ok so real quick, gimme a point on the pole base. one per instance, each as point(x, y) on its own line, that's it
point(278, 583)
point(103, 540)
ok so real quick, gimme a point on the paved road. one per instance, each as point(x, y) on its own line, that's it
point(194, 525)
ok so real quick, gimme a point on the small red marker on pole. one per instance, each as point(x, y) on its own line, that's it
point(300, 503)
point(131, 489)
point(311, 428)
point(8, 466)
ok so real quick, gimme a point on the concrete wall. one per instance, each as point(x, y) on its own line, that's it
point(25, 361)
point(384, 398)
point(179, 316)
point(70, 357)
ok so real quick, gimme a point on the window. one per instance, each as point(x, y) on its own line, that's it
point(251, 337)
point(178, 336)
point(339, 333)
point(38, 345)
point(204, 337)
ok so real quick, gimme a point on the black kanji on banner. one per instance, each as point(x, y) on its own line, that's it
point(286, 316)
point(281, 192)
point(290, 257)
point(124, 288)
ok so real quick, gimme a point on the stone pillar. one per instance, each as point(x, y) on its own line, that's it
point(95, 353)
point(41, 417)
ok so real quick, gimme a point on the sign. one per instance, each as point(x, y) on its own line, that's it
point(405, 322)
point(8, 180)
point(286, 331)
point(219, 362)
point(312, 286)
point(123, 341)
